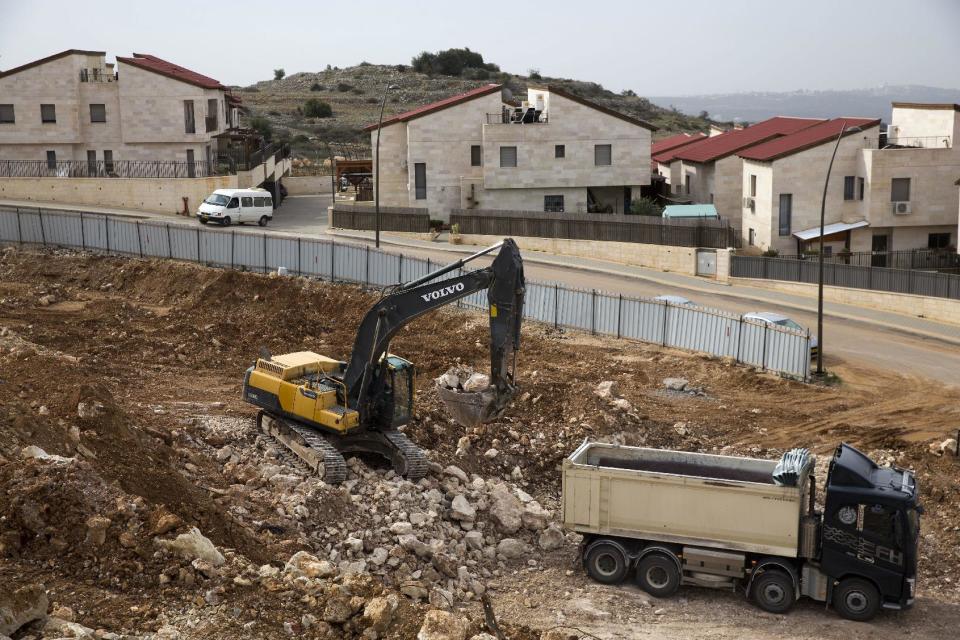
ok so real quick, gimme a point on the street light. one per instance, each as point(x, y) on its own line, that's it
point(823, 208)
point(376, 171)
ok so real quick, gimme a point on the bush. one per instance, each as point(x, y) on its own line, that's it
point(262, 125)
point(300, 138)
point(645, 207)
point(278, 74)
point(314, 108)
point(364, 64)
point(344, 87)
point(450, 62)
point(534, 74)
point(770, 253)
point(400, 68)
point(316, 86)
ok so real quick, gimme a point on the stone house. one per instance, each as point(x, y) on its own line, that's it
point(554, 152)
point(664, 150)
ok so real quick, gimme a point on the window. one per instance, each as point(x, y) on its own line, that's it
point(48, 113)
point(191, 165)
point(91, 163)
point(189, 124)
point(686, 184)
point(938, 240)
point(848, 187)
point(752, 237)
point(878, 520)
point(476, 155)
point(602, 155)
point(258, 202)
point(900, 190)
point(246, 201)
point(508, 156)
point(753, 186)
point(861, 184)
point(234, 203)
point(52, 160)
point(108, 160)
point(786, 213)
point(6, 114)
point(98, 113)
point(711, 198)
point(420, 180)
point(560, 151)
point(553, 203)
point(213, 107)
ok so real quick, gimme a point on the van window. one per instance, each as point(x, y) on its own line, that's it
point(218, 199)
point(268, 202)
point(246, 201)
point(234, 203)
point(258, 202)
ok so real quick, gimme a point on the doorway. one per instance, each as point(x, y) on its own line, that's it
point(879, 248)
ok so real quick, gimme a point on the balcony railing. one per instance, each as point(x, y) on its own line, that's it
point(919, 142)
point(111, 169)
point(518, 116)
point(96, 74)
point(238, 159)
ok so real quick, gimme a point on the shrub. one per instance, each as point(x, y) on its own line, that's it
point(278, 74)
point(262, 125)
point(400, 68)
point(316, 86)
point(365, 64)
point(344, 87)
point(300, 138)
point(476, 74)
point(645, 207)
point(770, 253)
point(450, 62)
point(314, 108)
point(534, 74)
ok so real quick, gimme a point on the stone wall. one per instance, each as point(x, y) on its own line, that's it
point(307, 185)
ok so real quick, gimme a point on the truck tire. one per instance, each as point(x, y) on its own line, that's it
point(606, 562)
point(773, 591)
point(226, 221)
point(263, 221)
point(856, 599)
point(658, 575)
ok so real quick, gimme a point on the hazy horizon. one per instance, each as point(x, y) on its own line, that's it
point(739, 46)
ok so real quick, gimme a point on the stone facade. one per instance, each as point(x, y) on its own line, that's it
point(443, 139)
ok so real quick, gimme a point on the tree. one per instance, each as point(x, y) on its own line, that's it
point(645, 207)
point(534, 74)
point(314, 108)
point(278, 74)
point(262, 125)
point(450, 62)
point(704, 115)
point(316, 86)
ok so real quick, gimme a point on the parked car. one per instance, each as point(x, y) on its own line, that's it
point(677, 301)
point(227, 206)
point(769, 317)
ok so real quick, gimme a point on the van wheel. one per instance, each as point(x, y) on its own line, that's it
point(263, 221)
point(226, 221)
point(856, 599)
point(773, 591)
point(606, 563)
point(202, 221)
point(658, 575)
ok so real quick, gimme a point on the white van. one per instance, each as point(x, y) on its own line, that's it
point(227, 206)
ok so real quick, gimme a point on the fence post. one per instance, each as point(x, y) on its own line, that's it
point(106, 231)
point(400, 269)
point(299, 258)
point(763, 360)
point(233, 241)
point(556, 305)
point(593, 312)
point(19, 227)
point(264, 253)
point(169, 243)
point(366, 270)
point(739, 337)
point(198, 245)
point(43, 235)
point(83, 240)
point(139, 241)
point(619, 313)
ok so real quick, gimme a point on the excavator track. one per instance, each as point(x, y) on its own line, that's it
point(415, 461)
point(310, 447)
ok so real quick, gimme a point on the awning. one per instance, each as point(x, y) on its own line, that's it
point(830, 229)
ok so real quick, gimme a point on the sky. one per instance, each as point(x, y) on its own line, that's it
point(654, 48)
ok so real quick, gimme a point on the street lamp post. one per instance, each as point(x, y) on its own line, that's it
point(823, 209)
point(376, 171)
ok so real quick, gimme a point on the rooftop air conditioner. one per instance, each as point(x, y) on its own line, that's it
point(901, 208)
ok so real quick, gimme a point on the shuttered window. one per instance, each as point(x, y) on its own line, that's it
point(508, 156)
point(603, 155)
point(420, 180)
point(786, 213)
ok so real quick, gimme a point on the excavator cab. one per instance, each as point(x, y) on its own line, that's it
point(399, 397)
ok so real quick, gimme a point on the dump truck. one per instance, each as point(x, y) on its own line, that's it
point(672, 518)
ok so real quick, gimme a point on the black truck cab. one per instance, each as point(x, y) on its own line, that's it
point(870, 531)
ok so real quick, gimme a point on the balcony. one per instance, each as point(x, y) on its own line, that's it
point(518, 115)
point(96, 74)
point(917, 142)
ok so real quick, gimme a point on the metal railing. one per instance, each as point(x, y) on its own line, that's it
point(96, 74)
point(945, 260)
point(111, 169)
point(512, 117)
point(911, 281)
point(715, 234)
point(697, 329)
point(364, 218)
point(919, 142)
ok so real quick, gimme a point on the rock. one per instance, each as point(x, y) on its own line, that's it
point(47, 300)
point(534, 516)
point(97, 530)
point(476, 382)
point(379, 556)
point(305, 564)
point(457, 472)
point(34, 452)
point(340, 608)
point(622, 404)
point(559, 634)
point(194, 544)
point(474, 540)
point(89, 410)
point(59, 628)
point(63, 612)
point(410, 542)
point(463, 446)
point(482, 636)
point(511, 548)
point(505, 509)
point(401, 528)
point(224, 453)
point(490, 453)
point(268, 571)
point(675, 384)
point(353, 544)
point(379, 611)
point(414, 591)
point(450, 380)
point(608, 389)
point(948, 446)
point(442, 625)
point(21, 606)
point(461, 509)
point(552, 538)
point(165, 524)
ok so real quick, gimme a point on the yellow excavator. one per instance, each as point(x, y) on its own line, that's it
point(320, 408)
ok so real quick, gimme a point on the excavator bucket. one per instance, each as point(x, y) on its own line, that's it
point(473, 408)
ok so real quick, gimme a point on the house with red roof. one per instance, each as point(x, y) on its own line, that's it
point(554, 152)
point(889, 190)
point(74, 115)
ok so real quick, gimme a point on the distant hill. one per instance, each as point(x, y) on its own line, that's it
point(354, 95)
point(754, 106)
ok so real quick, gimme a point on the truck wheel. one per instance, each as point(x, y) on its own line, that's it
point(658, 575)
point(606, 563)
point(773, 591)
point(856, 599)
point(202, 221)
point(226, 221)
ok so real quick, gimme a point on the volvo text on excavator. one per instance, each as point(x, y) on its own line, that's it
point(321, 408)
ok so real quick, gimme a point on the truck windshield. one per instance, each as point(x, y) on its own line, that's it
point(217, 199)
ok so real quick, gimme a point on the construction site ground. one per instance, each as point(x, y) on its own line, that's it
point(130, 371)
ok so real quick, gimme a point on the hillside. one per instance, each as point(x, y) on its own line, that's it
point(754, 106)
point(354, 94)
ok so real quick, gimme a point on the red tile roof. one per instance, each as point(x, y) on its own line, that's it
point(439, 105)
point(674, 142)
point(805, 138)
point(170, 70)
point(731, 142)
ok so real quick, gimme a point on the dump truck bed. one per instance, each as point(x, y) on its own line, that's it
point(689, 498)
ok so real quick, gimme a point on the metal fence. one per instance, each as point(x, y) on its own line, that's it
point(947, 260)
point(107, 169)
point(716, 234)
point(922, 283)
point(719, 333)
point(391, 218)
